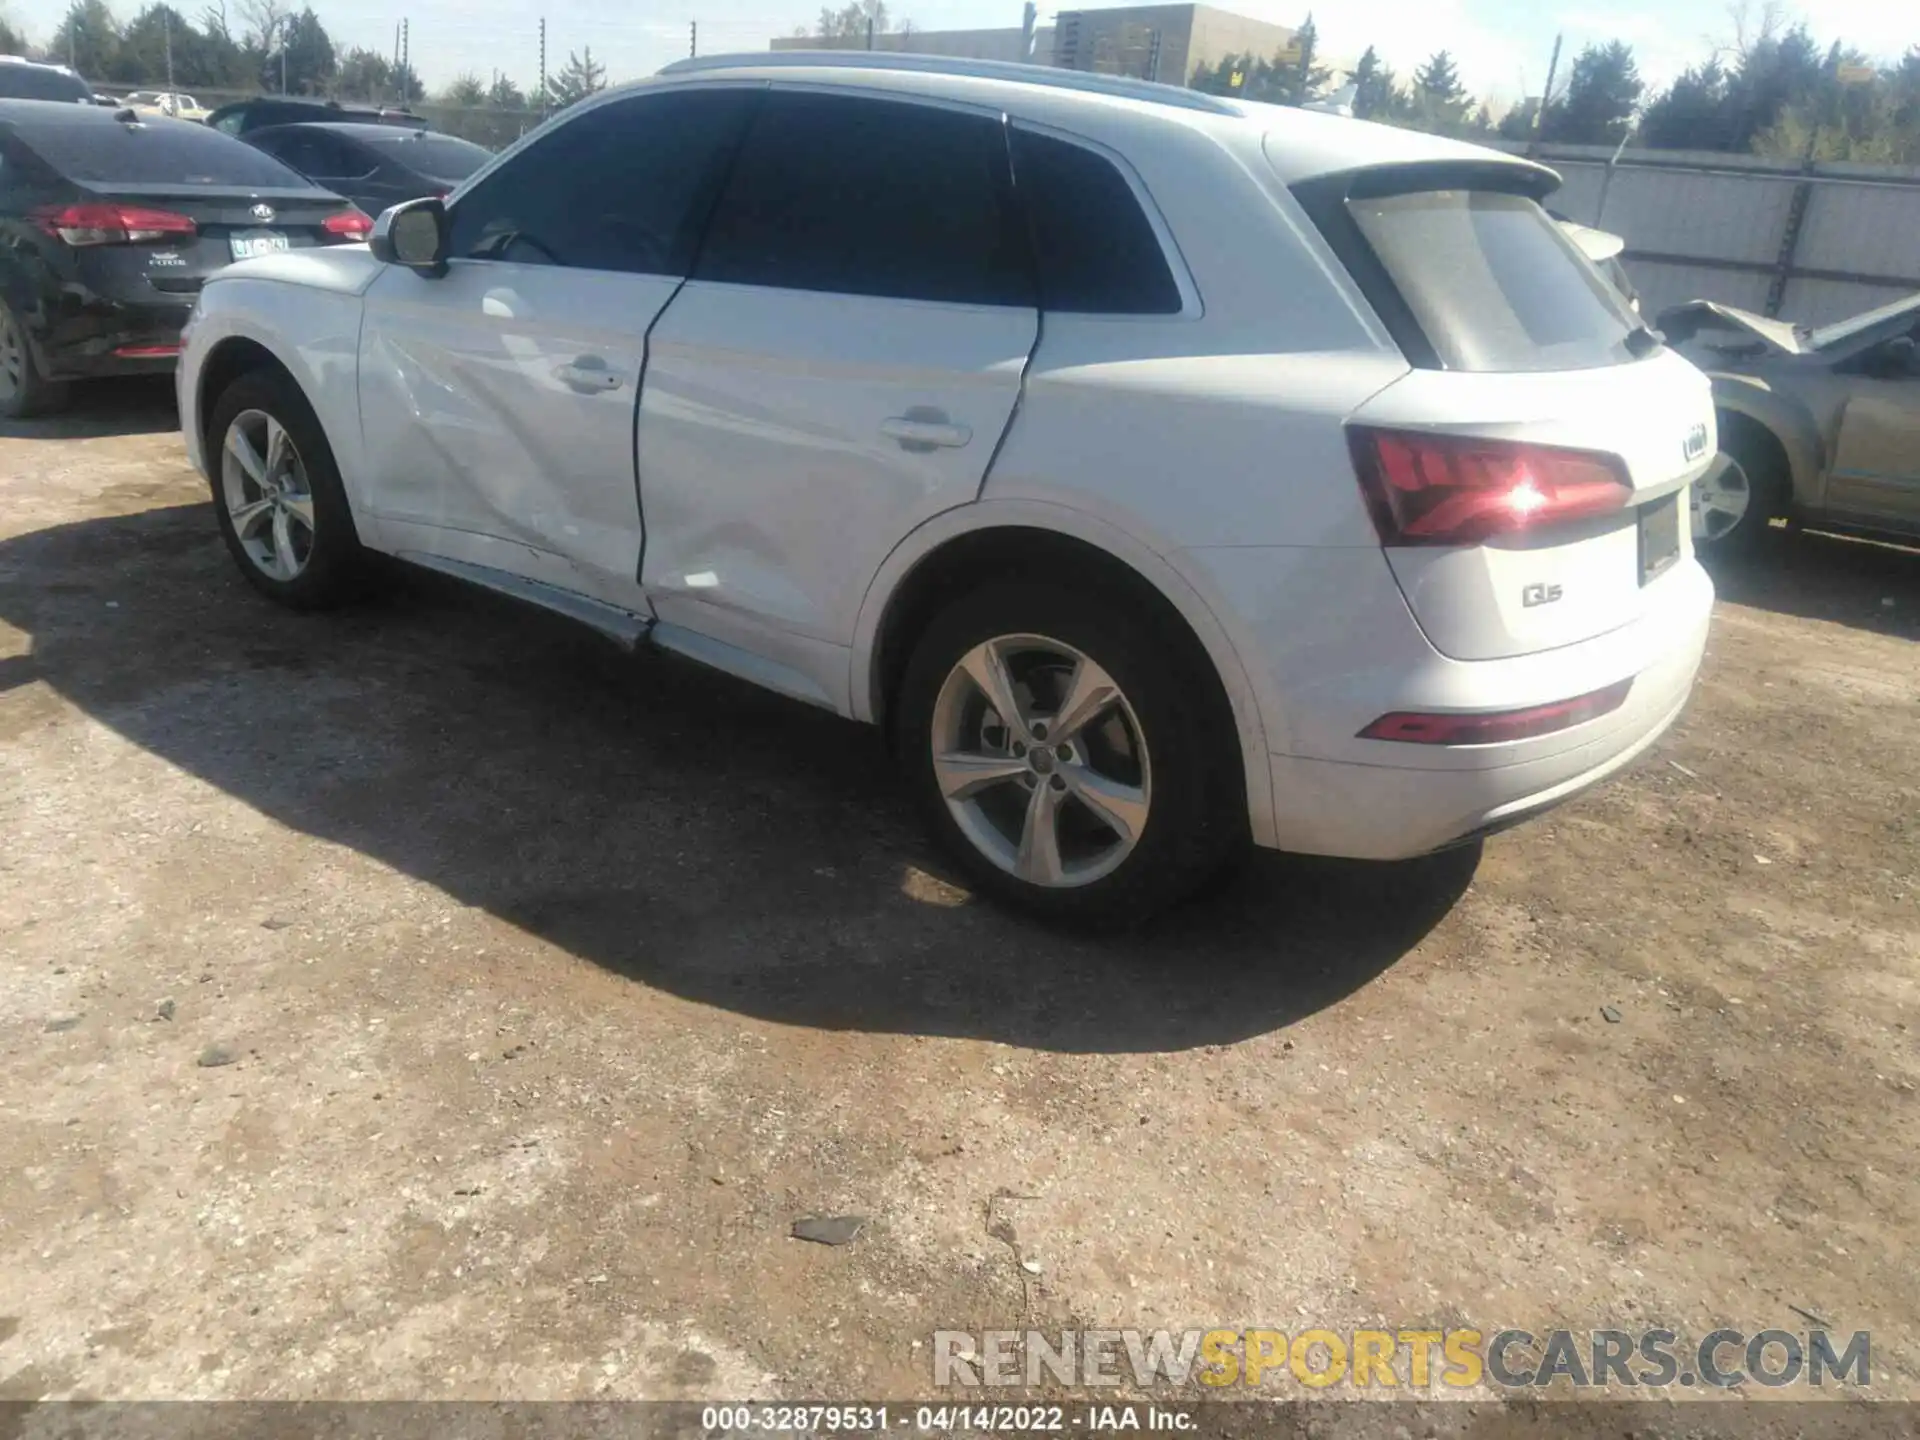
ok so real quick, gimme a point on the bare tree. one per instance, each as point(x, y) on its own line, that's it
point(1751, 28)
point(265, 21)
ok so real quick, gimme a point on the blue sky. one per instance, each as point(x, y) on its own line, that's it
point(1502, 45)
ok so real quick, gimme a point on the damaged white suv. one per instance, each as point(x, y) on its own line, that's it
point(1163, 470)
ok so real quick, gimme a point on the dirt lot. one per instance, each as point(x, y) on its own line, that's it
point(558, 984)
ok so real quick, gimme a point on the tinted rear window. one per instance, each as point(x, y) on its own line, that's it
point(29, 82)
point(1094, 250)
point(441, 156)
point(1493, 283)
point(164, 152)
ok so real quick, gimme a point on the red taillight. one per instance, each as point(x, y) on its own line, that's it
point(109, 224)
point(348, 225)
point(1491, 727)
point(1426, 489)
point(147, 352)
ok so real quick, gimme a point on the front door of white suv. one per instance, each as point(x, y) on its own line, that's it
point(840, 366)
point(498, 398)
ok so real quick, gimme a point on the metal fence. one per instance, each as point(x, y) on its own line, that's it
point(1812, 243)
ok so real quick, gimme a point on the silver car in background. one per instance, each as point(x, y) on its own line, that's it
point(1816, 426)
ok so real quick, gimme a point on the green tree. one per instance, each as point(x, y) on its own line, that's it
point(307, 51)
point(1601, 97)
point(364, 75)
point(1373, 87)
point(505, 95)
point(88, 38)
point(1437, 101)
point(407, 85)
point(580, 77)
point(1517, 123)
point(466, 90)
point(1692, 113)
point(1295, 82)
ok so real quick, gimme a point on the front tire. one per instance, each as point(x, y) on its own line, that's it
point(277, 492)
point(24, 390)
point(1059, 744)
point(1735, 503)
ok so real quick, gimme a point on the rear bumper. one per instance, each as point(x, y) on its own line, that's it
point(1380, 810)
point(87, 345)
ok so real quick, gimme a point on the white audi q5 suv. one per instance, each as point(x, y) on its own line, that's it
point(1163, 471)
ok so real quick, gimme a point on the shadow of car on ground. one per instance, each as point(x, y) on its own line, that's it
point(1867, 584)
point(135, 405)
point(668, 823)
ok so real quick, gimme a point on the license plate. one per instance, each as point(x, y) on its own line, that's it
point(257, 242)
point(1659, 536)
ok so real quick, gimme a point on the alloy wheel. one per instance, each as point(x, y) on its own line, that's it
point(1719, 499)
point(1041, 760)
point(264, 484)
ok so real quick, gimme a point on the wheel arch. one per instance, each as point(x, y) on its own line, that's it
point(1782, 422)
point(226, 361)
point(309, 335)
point(963, 548)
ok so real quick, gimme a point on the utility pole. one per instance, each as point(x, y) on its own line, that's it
point(406, 56)
point(166, 17)
point(693, 38)
point(1027, 19)
point(1153, 56)
point(1540, 115)
point(543, 67)
point(869, 30)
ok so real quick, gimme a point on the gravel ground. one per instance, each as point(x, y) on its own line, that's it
point(429, 1001)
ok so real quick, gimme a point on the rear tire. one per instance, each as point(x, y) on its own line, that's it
point(1735, 503)
point(277, 493)
point(1109, 797)
point(24, 390)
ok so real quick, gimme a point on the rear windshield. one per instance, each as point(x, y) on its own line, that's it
point(441, 156)
point(31, 82)
point(171, 152)
point(1494, 283)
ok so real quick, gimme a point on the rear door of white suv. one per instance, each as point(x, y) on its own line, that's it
point(839, 367)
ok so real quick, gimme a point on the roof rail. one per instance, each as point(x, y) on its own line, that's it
point(1117, 86)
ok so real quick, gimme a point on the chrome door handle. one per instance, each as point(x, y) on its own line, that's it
point(589, 375)
point(923, 434)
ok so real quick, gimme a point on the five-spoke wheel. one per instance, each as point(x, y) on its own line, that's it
point(1041, 760)
point(1072, 746)
point(268, 497)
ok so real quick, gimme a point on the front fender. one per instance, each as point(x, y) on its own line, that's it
point(1789, 421)
point(315, 335)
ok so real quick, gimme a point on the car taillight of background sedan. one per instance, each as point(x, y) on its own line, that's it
point(109, 224)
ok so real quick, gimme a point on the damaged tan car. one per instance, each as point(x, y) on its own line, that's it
point(1820, 427)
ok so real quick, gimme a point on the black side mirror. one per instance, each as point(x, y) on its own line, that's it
point(413, 234)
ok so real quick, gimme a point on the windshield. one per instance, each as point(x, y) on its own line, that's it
point(1843, 330)
point(1494, 283)
point(33, 82)
point(441, 156)
point(167, 152)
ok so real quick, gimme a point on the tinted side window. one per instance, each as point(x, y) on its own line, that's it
point(870, 197)
point(1094, 250)
point(626, 186)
